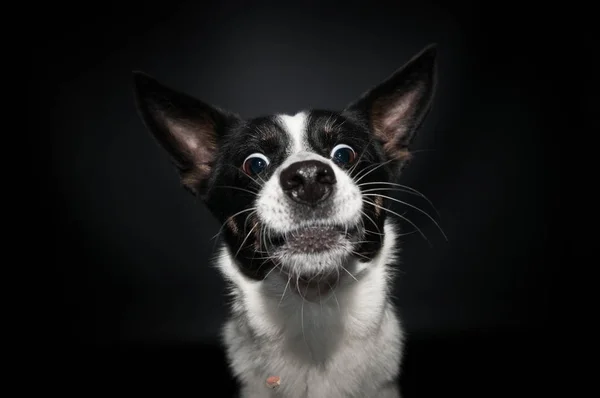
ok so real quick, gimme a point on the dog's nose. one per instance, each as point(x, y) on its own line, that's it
point(308, 182)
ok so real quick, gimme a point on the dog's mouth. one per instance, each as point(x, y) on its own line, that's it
point(314, 239)
point(311, 257)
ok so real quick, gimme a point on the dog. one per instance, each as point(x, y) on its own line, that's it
point(308, 243)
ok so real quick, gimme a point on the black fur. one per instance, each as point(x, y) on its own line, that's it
point(212, 167)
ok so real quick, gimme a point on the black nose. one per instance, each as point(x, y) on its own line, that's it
point(308, 182)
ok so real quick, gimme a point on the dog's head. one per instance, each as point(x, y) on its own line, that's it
point(297, 192)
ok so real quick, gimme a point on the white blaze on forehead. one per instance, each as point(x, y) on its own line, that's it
point(295, 127)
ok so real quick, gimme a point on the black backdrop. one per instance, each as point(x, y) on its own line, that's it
point(131, 248)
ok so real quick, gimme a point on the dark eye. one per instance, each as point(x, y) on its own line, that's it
point(255, 163)
point(342, 154)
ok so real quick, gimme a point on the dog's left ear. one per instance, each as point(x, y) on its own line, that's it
point(396, 108)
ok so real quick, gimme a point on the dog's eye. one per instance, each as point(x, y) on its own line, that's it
point(255, 163)
point(342, 154)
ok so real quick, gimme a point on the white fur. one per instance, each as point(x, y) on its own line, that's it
point(278, 215)
point(347, 345)
point(347, 342)
point(295, 126)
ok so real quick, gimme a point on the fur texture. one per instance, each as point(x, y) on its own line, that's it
point(308, 248)
point(347, 344)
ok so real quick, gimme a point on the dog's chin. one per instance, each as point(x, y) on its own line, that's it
point(314, 258)
point(314, 240)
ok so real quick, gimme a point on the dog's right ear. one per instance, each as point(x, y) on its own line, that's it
point(188, 129)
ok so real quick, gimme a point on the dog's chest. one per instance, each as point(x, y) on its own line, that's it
point(316, 360)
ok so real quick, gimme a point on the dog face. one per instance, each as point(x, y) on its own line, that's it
point(291, 190)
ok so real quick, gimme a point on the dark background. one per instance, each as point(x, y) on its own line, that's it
point(131, 248)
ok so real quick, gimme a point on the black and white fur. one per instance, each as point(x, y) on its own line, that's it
point(308, 246)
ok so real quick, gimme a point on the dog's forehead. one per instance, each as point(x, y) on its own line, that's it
point(308, 131)
point(296, 129)
point(313, 131)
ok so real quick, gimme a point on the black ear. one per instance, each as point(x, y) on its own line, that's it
point(395, 108)
point(188, 129)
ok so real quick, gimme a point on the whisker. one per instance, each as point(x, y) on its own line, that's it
point(335, 297)
point(404, 187)
point(320, 299)
point(375, 224)
point(302, 319)
point(373, 232)
point(238, 188)
point(372, 170)
point(244, 174)
point(264, 241)
point(360, 255)
point(357, 162)
point(231, 217)
point(284, 290)
point(407, 233)
point(412, 206)
point(267, 259)
point(402, 217)
point(268, 273)
point(246, 220)
point(349, 273)
point(269, 235)
point(367, 168)
point(244, 241)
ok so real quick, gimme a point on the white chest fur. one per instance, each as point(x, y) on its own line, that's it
point(348, 344)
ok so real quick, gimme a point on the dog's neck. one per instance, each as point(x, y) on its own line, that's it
point(353, 309)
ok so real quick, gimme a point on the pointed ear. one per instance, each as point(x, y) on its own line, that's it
point(395, 108)
point(188, 129)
